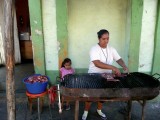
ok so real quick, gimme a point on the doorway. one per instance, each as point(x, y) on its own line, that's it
point(26, 67)
point(24, 31)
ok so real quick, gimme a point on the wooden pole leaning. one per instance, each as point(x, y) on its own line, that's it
point(9, 56)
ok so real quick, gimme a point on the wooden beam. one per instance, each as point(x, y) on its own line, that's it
point(9, 55)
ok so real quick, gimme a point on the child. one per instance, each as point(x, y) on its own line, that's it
point(65, 70)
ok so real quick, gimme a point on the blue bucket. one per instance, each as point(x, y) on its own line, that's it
point(36, 88)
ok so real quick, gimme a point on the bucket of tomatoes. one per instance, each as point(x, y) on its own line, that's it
point(36, 83)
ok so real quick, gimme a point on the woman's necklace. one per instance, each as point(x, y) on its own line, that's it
point(105, 55)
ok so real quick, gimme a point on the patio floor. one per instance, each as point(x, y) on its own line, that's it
point(113, 110)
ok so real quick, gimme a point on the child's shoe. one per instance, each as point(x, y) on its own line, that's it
point(102, 115)
point(84, 116)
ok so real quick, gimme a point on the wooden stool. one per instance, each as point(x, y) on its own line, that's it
point(38, 97)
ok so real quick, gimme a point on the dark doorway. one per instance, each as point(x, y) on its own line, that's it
point(24, 31)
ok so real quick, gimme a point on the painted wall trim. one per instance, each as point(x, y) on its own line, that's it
point(156, 56)
point(135, 36)
point(62, 32)
point(35, 11)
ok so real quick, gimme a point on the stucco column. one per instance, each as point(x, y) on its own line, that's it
point(50, 39)
point(135, 36)
point(35, 11)
point(156, 56)
point(62, 33)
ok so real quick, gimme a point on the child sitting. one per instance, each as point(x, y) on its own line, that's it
point(65, 70)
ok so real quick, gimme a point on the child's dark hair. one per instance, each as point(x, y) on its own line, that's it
point(66, 60)
point(101, 32)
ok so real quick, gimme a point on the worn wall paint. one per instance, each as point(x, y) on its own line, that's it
point(86, 18)
point(127, 37)
point(136, 23)
point(147, 35)
point(37, 35)
point(62, 32)
point(156, 60)
point(50, 34)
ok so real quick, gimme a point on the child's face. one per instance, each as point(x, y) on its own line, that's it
point(67, 65)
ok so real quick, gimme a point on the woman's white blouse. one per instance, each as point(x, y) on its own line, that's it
point(105, 55)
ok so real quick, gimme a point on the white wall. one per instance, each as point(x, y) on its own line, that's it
point(50, 34)
point(147, 35)
point(86, 18)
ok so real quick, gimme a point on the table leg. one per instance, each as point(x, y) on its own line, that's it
point(143, 105)
point(38, 109)
point(30, 104)
point(62, 101)
point(129, 109)
point(76, 109)
point(49, 108)
point(41, 103)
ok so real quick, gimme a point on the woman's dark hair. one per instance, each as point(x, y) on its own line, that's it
point(101, 32)
point(66, 60)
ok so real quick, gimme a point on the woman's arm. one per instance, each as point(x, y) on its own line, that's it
point(101, 65)
point(122, 64)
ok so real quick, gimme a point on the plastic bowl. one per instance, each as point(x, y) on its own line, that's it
point(37, 87)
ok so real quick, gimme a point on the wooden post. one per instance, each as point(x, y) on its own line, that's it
point(143, 105)
point(76, 110)
point(9, 55)
point(129, 109)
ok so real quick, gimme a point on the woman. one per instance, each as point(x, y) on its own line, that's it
point(101, 59)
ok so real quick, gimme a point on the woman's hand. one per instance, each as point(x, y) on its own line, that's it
point(122, 64)
point(116, 71)
point(126, 69)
